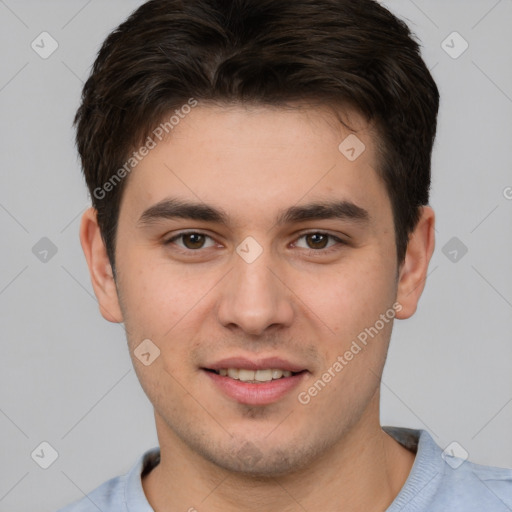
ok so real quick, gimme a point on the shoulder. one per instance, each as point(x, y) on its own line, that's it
point(121, 493)
point(107, 497)
point(441, 481)
point(480, 487)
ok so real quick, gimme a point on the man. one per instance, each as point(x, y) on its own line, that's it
point(260, 174)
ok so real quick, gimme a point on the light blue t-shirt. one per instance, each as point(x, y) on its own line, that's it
point(437, 483)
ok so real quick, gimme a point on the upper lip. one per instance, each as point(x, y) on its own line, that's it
point(255, 364)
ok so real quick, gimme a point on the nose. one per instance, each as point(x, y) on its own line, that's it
point(255, 298)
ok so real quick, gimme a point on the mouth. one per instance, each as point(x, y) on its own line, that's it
point(255, 376)
point(255, 383)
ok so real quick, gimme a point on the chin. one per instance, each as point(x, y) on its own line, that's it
point(260, 462)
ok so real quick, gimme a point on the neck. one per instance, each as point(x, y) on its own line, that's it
point(364, 471)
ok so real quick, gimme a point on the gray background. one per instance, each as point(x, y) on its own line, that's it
point(66, 375)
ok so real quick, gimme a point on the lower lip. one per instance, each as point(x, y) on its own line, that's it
point(263, 393)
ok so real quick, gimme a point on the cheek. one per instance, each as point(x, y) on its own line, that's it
point(162, 303)
point(155, 294)
point(353, 296)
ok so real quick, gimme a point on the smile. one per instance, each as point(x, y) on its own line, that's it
point(254, 376)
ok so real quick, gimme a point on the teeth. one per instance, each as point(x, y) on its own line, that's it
point(254, 376)
point(263, 375)
point(233, 373)
point(246, 375)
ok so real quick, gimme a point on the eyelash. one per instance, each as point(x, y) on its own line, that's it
point(313, 252)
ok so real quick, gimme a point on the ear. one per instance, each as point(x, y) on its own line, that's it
point(99, 267)
point(413, 271)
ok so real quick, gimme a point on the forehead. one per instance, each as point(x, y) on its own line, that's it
point(252, 162)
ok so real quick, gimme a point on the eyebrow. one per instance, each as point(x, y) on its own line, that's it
point(174, 208)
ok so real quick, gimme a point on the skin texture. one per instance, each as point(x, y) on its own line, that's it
point(297, 300)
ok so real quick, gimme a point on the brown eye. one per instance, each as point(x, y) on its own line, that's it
point(319, 243)
point(193, 240)
point(317, 240)
point(190, 241)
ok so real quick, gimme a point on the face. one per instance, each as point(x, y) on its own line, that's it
point(287, 259)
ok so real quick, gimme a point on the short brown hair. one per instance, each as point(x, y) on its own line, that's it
point(269, 52)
